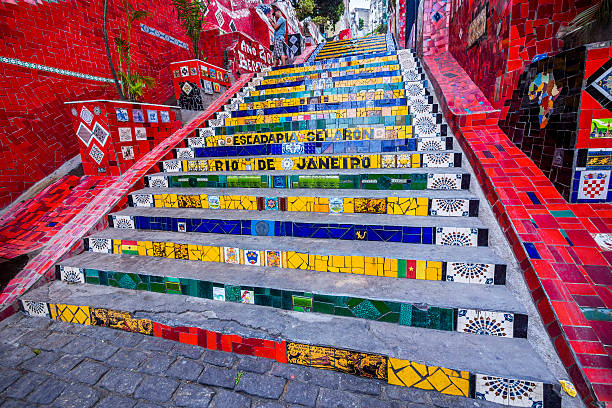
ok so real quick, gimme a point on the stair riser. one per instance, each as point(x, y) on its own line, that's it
point(489, 323)
point(352, 72)
point(452, 236)
point(393, 71)
point(458, 272)
point(337, 60)
point(256, 96)
point(360, 363)
point(322, 162)
point(428, 144)
point(388, 181)
point(417, 206)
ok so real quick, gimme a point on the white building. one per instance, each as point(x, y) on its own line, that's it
point(360, 14)
point(376, 13)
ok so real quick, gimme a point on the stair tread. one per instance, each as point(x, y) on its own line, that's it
point(413, 291)
point(308, 217)
point(309, 192)
point(392, 250)
point(476, 353)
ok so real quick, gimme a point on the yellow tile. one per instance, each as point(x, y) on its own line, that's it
point(390, 268)
point(71, 313)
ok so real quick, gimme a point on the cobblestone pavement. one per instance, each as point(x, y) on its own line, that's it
point(46, 363)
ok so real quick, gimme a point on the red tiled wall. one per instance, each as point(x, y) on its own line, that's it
point(37, 135)
point(435, 26)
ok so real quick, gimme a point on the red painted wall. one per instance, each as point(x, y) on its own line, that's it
point(36, 133)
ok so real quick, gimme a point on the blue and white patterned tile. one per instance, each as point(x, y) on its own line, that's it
point(485, 322)
point(450, 207)
point(464, 272)
point(453, 236)
point(507, 391)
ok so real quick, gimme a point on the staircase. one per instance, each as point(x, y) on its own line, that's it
point(324, 219)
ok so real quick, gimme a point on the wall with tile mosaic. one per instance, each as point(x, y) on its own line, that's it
point(435, 26)
point(112, 136)
point(194, 79)
point(37, 129)
point(394, 371)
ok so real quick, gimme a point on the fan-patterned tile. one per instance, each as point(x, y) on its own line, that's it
point(507, 391)
point(456, 236)
point(470, 273)
point(444, 182)
point(71, 274)
point(485, 322)
point(451, 207)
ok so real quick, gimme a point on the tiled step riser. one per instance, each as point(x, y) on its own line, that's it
point(458, 272)
point(330, 81)
point(417, 206)
point(328, 61)
point(321, 93)
point(319, 162)
point(298, 148)
point(388, 181)
point(489, 323)
point(451, 236)
point(359, 363)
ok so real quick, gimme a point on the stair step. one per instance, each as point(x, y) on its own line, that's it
point(477, 265)
point(454, 231)
point(439, 179)
point(393, 352)
point(448, 203)
point(410, 302)
point(391, 160)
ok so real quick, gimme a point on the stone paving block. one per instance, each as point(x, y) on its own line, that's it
point(101, 351)
point(56, 341)
point(88, 372)
point(219, 358)
point(7, 377)
point(217, 376)
point(126, 339)
point(13, 356)
point(156, 389)
point(301, 393)
point(288, 371)
point(77, 396)
point(254, 364)
point(272, 404)
point(323, 378)
point(185, 369)
point(264, 386)
point(79, 345)
point(25, 385)
point(114, 401)
point(362, 385)
point(35, 322)
point(143, 404)
point(47, 392)
point(35, 338)
point(157, 363)
point(10, 335)
point(372, 402)
point(64, 364)
point(156, 344)
point(188, 350)
point(337, 399)
point(120, 381)
point(129, 359)
point(228, 399)
point(407, 394)
point(11, 403)
point(192, 395)
point(44, 360)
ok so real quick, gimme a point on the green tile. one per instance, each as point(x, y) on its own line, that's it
point(323, 307)
point(189, 287)
point(562, 213)
point(232, 293)
point(158, 287)
point(302, 301)
point(343, 311)
point(597, 313)
point(390, 318)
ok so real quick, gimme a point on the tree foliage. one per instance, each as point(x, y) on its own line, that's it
point(328, 11)
point(191, 15)
point(304, 9)
point(360, 24)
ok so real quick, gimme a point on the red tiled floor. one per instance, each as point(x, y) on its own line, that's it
point(572, 270)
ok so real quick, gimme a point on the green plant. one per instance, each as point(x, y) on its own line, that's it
point(360, 24)
point(326, 13)
point(304, 9)
point(239, 375)
point(132, 82)
point(590, 19)
point(191, 14)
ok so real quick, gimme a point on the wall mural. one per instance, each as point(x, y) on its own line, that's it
point(543, 114)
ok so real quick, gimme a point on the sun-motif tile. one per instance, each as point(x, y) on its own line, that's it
point(444, 182)
point(450, 207)
point(102, 245)
point(456, 236)
point(142, 200)
point(33, 308)
point(485, 322)
point(123, 222)
point(71, 274)
point(438, 159)
point(470, 273)
point(158, 181)
point(508, 391)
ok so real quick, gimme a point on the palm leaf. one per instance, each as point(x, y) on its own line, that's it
point(139, 15)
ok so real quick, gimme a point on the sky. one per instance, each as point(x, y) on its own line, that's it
point(359, 3)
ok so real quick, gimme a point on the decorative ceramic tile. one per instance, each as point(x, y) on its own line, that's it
point(509, 391)
point(122, 115)
point(86, 115)
point(603, 240)
point(293, 148)
point(158, 182)
point(84, 134)
point(252, 257)
point(118, 320)
point(271, 203)
point(456, 236)
point(438, 160)
point(247, 296)
point(125, 134)
point(123, 221)
point(142, 200)
point(594, 185)
point(96, 153)
point(470, 273)
point(214, 202)
point(444, 182)
point(184, 153)
point(71, 274)
point(138, 115)
point(152, 115)
point(273, 258)
point(70, 313)
point(451, 207)
point(336, 205)
point(164, 116)
point(410, 374)
point(127, 152)
point(172, 166)
point(219, 293)
point(140, 133)
point(184, 70)
point(100, 134)
point(431, 144)
point(102, 245)
point(484, 322)
point(33, 308)
point(232, 255)
point(181, 226)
